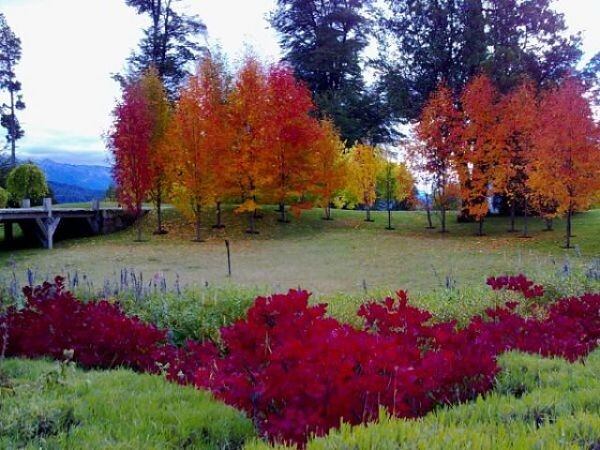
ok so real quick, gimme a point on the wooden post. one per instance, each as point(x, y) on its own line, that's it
point(48, 228)
point(47, 204)
point(228, 258)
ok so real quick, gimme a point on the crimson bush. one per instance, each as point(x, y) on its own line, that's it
point(295, 371)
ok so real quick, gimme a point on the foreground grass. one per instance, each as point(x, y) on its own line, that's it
point(537, 404)
point(346, 255)
point(46, 405)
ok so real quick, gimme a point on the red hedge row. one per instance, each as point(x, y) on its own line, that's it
point(295, 370)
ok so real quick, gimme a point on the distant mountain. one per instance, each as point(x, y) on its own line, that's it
point(90, 178)
point(68, 193)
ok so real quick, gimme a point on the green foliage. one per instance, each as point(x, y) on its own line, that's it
point(111, 409)
point(27, 181)
point(195, 313)
point(538, 403)
point(3, 198)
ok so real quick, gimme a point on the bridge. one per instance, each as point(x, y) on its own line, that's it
point(44, 223)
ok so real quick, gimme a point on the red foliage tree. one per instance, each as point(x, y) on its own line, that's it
point(129, 142)
point(480, 146)
point(290, 134)
point(515, 133)
point(439, 131)
point(248, 116)
point(567, 155)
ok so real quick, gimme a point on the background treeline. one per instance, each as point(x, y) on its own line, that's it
point(249, 138)
point(539, 148)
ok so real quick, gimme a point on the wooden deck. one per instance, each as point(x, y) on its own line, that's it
point(42, 223)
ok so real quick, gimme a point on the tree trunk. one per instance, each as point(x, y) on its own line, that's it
point(257, 215)
point(513, 208)
point(13, 130)
point(251, 229)
point(368, 219)
point(549, 224)
point(429, 222)
point(219, 223)
point(198, 212)
point(389, 227)
point(159, 227)
point(480, 227)
point(443, 216)
point(569, 229)
point(282, 216)
point(327, 212)
point(525, 220)
point(138, 222)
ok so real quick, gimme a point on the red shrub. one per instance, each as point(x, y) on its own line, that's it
point(519, 283)
point(99, 333)
point(296, 371)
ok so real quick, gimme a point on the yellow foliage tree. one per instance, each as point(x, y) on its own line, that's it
point(330, 166)
point(364, 165)
point(395, 184)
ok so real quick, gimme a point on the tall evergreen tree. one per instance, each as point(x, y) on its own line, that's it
point(10, 55)
point(425, 41)
point(324, 42)
point(170, 43)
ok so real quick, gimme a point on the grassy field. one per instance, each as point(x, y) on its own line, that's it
point(537, 404)
point(54, 406)
point(344, 255)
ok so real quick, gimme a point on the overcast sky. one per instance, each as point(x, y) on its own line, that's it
point(71, 47)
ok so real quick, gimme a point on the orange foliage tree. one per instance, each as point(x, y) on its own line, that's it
point(566, 168)
point(290, 135)
point(480, 146)
point(364, 165)
point(515, 151)
point(248, 116)
point(199, 139)
point(330, 172)
point(129, 142)
point(159, 150)
point(439, 131)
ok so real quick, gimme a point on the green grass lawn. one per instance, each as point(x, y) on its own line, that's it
point(46, 405)
point(344, 255)
point(538, 403)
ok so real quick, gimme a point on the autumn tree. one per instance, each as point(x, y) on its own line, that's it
point(199, 140)
point(364, 166)
point(395, 183)
point(479, 146)
point(330, 170)
point(247, 118)
point(129, 142)
point(515, 139)
point(159, 110)
point(567, 155)
point(290, 134)
point(439, 131)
